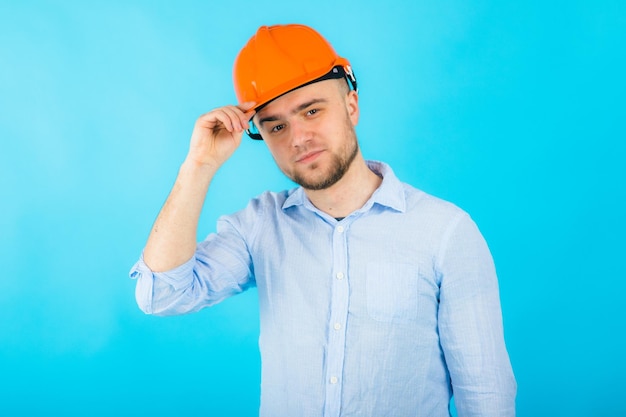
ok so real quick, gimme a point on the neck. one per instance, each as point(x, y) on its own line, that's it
point(348, 194)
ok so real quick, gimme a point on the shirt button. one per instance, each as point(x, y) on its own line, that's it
point(340, 229)
point(333, 380)
point(339, 275)
point(337, 326)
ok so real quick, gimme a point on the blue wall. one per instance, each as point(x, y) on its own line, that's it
point(512, 110)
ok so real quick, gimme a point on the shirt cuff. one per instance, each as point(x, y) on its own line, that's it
point(177, 278)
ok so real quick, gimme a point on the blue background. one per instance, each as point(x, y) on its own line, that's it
point(512, 110)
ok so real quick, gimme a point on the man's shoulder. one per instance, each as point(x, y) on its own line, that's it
point(411, 199)
point(271, 199)
point(423, 202)
point(263, 204)
point(261, 212)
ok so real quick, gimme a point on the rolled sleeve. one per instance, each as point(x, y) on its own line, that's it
point(168, 283)
point(220, 268)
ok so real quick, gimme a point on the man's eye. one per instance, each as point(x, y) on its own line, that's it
point(311, 112)
point(277, 128)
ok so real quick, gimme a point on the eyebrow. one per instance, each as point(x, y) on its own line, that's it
point(273, 118)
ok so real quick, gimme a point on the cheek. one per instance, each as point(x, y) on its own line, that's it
point(279, 153)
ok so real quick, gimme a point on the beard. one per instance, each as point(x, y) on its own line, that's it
point(339, 165)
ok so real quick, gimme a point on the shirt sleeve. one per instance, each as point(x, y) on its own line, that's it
point(221, 267)
point(470, 325)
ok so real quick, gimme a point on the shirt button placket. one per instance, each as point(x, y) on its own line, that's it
point(337, 328)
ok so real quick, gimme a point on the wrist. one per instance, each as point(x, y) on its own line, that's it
point(196, 174)
point(202, 168)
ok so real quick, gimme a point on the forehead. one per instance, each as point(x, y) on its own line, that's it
point(326, 89)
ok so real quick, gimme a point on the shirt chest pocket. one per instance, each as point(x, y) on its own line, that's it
point(391, 291)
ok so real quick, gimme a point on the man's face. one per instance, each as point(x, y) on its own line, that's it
point(310, 132)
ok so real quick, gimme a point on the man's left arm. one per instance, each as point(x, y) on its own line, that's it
point(470, 325)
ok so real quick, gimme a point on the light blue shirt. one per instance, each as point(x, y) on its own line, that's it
point(387, 312)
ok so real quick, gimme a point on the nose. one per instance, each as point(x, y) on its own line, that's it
point(300, 133)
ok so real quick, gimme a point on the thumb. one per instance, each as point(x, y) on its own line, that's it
point(245, 106)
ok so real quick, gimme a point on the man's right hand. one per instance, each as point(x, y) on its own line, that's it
point(215, 137)
point(217, 134)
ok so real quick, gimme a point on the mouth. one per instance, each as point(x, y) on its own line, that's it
point(308, 157)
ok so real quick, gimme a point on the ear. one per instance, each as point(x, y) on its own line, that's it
point(352, 105)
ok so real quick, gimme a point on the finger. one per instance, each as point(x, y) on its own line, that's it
point(248, 116)
point(215, 119)
point(245, 112)
point(226, 117)
point(232, 118)
point(248, 112)
point(247, 106)
point(236, 116)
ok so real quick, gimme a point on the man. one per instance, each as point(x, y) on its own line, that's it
point(375, 298)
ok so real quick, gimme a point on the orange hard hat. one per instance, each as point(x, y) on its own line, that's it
point(280, 58)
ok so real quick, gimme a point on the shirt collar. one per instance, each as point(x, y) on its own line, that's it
point(390, 193)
